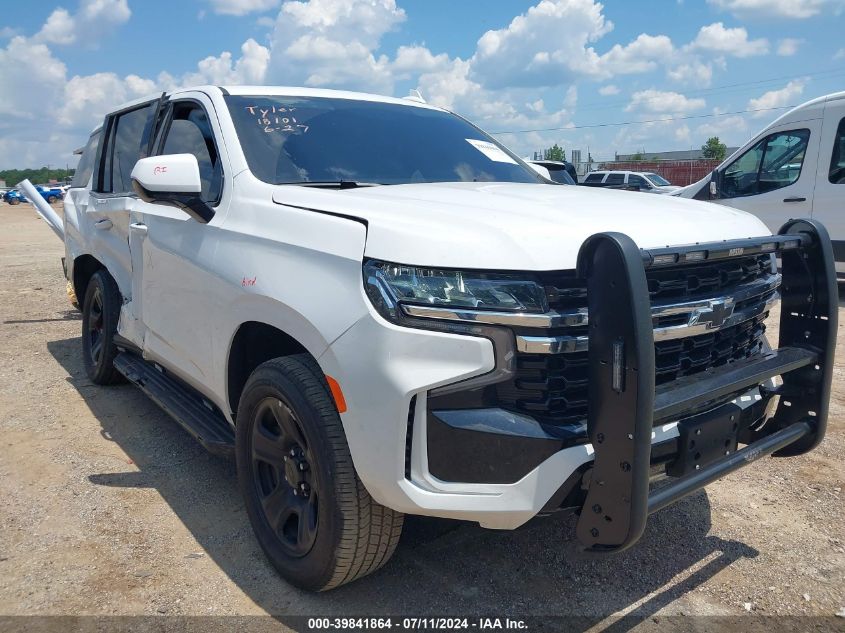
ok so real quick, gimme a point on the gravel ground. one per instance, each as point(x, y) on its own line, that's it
point(109, 508)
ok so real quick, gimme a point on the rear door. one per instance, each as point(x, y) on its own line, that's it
point(126, 139)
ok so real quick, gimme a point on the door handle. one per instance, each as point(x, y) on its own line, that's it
point(795, 199)
point(138, 227)
point(104, 224)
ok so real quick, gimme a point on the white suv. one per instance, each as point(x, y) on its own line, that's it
point(648, 182)
point(378, 309)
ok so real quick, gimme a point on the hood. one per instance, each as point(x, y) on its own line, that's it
point(667, 188)
point(514, 226)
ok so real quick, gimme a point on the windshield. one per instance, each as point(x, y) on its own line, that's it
point(658, 181)
point(293, 140)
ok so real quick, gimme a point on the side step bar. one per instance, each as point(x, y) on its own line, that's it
point(624, 406)
point(205, 423)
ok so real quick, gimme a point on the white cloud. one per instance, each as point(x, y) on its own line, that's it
point(694, 72)
point(660, 102)
point(730, 41)
point(732, 130)
point(249, 68)
point(840, 54)
point(418, 59)
point(242, 7)
point(777, 98)
point(546, 45)
point(332, 43)
point(609, 90)
point(639, 56)
point(86, 99)
point(788, 46)
point(777, 8)
point(63, 28)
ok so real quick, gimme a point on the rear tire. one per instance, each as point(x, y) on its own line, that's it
point(51, 199)
point(100, 314)
point(14, 201)
point(311, 514)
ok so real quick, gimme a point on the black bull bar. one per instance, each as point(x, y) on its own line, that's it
point(624, 405)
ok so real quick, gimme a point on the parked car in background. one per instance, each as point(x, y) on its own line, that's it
point(559, 171)
point(648, 182)
point(13, 196)
point(51, 193)
point(793, 168)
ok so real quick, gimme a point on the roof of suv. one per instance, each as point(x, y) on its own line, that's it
point(287, 91)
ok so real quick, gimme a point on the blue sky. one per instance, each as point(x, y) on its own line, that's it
point(552, 70)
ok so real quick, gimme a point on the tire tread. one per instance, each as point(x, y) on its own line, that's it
point(370, 531)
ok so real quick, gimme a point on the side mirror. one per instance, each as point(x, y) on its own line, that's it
point(714, 184)
point(174, 180)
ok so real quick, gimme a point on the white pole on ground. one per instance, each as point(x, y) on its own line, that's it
point(43, 209)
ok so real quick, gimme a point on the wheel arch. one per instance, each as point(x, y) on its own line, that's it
point(84, 267)
point(254, 343)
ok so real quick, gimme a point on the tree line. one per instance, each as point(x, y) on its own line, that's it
point(38, 176)
point(713, 148)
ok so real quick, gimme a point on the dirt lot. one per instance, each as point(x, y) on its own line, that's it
point(110, 508)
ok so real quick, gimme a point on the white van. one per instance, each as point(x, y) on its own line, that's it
point(794, 168)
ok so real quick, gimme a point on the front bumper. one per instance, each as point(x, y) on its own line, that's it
point(501, 469)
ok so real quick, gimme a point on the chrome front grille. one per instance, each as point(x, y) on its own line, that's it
point(704, 316)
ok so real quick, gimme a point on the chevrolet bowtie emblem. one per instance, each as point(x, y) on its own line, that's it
point(713, 316)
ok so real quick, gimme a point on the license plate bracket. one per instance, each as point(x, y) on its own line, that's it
point(705, 438)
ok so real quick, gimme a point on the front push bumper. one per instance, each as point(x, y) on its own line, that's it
point(624, 406)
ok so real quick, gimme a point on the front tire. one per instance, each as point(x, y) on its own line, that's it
point(51, 199)
point(100, 314)
point(14, 201)
point(311, 514)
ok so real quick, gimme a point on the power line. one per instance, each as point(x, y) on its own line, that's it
point(677, 118)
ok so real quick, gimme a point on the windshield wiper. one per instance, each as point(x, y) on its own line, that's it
point(333, 184)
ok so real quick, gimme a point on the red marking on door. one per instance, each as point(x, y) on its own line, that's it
point(248, 282)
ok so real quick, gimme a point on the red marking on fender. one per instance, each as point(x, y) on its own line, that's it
point(160, 169)
point(248, 282)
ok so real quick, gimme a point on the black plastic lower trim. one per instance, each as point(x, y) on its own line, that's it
point(490, 446)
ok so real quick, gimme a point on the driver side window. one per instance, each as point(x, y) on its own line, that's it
point(190, 133)
point(772, 163)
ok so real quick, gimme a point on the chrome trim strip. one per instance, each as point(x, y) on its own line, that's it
point(569, 344)
point(518, 319)
point(579, 317)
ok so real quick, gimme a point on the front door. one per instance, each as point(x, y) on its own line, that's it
point(175, 275)
point(774, 178)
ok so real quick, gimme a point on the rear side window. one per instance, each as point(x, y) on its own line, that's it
point(638, 181)
point(594, 178)
point(837, 161)
point(129, 139)
point(615, 179)
point(86, 162)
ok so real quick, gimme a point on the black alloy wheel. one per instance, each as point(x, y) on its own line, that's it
point(286, 484)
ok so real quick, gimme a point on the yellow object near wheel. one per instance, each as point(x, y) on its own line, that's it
point(71, 294)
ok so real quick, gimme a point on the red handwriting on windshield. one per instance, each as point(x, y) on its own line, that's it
point(277, 119)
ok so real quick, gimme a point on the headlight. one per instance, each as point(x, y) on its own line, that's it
point(390, 284)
